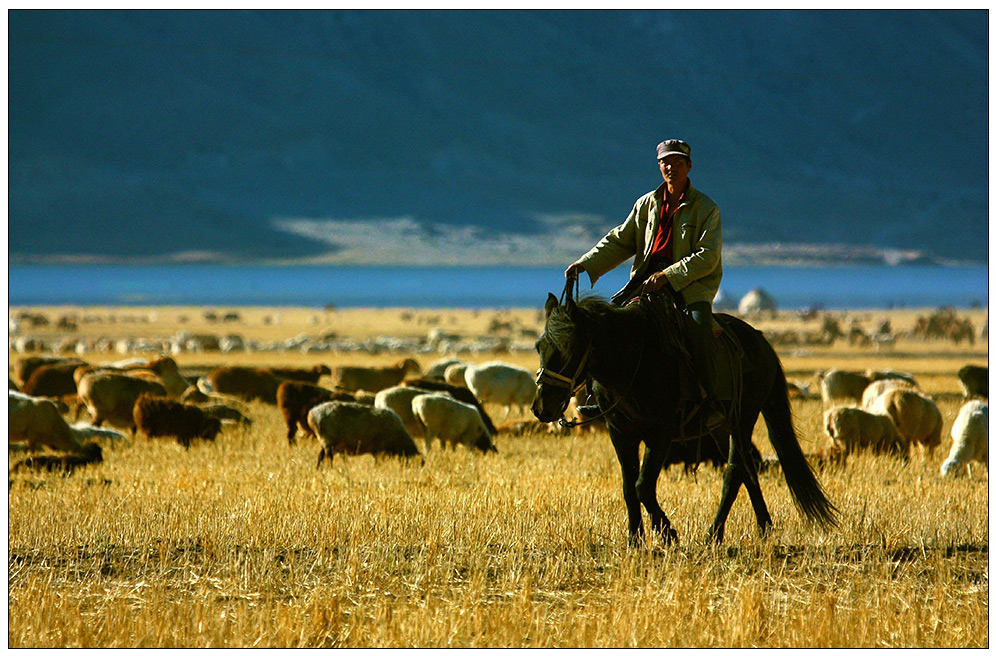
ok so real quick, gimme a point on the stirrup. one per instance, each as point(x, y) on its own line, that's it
point(713, 415)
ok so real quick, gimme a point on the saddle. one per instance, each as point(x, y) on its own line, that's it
point(672, 322)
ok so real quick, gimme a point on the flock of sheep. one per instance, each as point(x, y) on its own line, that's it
point(376, 410)
point(382, 410)
point(885, 411)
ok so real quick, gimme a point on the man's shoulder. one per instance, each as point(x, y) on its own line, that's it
point(649, 196)
point(700, 199)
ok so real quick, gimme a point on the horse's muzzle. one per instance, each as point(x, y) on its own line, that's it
point(547, 409)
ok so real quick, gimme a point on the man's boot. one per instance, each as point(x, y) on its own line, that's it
point(701, 348)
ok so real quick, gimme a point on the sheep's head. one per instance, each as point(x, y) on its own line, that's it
point(211, 428)
point(484, 442)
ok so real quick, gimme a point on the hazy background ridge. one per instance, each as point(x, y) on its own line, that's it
point(147, 133)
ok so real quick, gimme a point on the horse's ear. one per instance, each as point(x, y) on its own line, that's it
point(551, 302)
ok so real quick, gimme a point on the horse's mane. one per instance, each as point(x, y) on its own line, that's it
point(561, 328)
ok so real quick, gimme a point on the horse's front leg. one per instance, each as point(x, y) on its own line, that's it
point(646, 488)
point(628, 453)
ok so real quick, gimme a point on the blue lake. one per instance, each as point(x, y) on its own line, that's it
point(475, 287)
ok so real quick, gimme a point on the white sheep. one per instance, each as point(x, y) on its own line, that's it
point(455, 374)
point(503, 384)
point(970, 435)
point(842, 386)
point(451, 421)
point(38, 422)
point(398, 399)
point(354, 428)
point(880, 387)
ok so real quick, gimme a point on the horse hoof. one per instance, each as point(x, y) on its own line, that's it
point(669, 537)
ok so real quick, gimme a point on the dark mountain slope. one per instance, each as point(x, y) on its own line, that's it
point(149, 133)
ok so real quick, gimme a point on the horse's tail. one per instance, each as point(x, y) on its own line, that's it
point(802, 483)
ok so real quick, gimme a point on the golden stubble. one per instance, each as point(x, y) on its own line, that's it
point(242, 543)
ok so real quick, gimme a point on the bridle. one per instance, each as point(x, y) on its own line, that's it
point(576, 381)
point(556, 379)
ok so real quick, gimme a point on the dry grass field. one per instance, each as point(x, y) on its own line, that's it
point(242, 543)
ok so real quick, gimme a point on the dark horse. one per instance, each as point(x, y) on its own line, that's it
point(635, 374)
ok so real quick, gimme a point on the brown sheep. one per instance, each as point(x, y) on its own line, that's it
point(111, 397)
point(162, 417)
point(89, 453)
point(225, 413)
point(39, 423)
point(374, 379)
point(52, 380)
point(974, 381)
point(246, 383)
point(26, 366)
point(166, 368)
point(916, 417)
point(296, 398)
point(853, 429)
point(355, 428)
point(311, 375)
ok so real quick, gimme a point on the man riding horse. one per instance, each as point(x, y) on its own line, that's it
point(674, 235)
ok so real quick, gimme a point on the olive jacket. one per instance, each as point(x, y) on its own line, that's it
point(697, 241)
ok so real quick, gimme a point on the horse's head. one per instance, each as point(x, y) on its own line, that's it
point(564, 355)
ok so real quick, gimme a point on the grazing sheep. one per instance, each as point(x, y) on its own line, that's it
point(880, 387)
point(354, 428)
point(169, 373)
point(916, 417)
point(52, 380)
point(451, 422)
point(437, 371)
point(26, 366)
point(111, 397)
point(296, 398)
point(246, 383)
point(310, 375)
point(853, 429)
point(38, 422)
point(163, 417)
point(974, 381)
point(225, 413)
point(874, 375)
point(458, 392)
point(526, 426)
point(502, 384)
point(398, 399)
point(455, 374)
point(194, 395)
point(88, 454)
point(374, 379)
point(713, 448)
point(970, 435)
point(837, 385)
point(84, 431)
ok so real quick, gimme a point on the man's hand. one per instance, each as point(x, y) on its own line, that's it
point(656, 282)
point(574, 270)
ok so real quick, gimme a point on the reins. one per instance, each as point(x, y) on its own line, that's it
point(572, 292)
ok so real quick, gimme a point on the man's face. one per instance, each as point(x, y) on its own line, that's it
point(674, 169)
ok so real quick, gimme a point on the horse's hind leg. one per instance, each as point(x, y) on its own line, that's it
point(628, 453)
point(732, 477)
point(646, 488)
point(742, 443)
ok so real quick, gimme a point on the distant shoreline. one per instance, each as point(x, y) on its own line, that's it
point(498, 253)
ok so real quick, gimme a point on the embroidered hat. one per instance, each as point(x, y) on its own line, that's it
point(673, 147)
